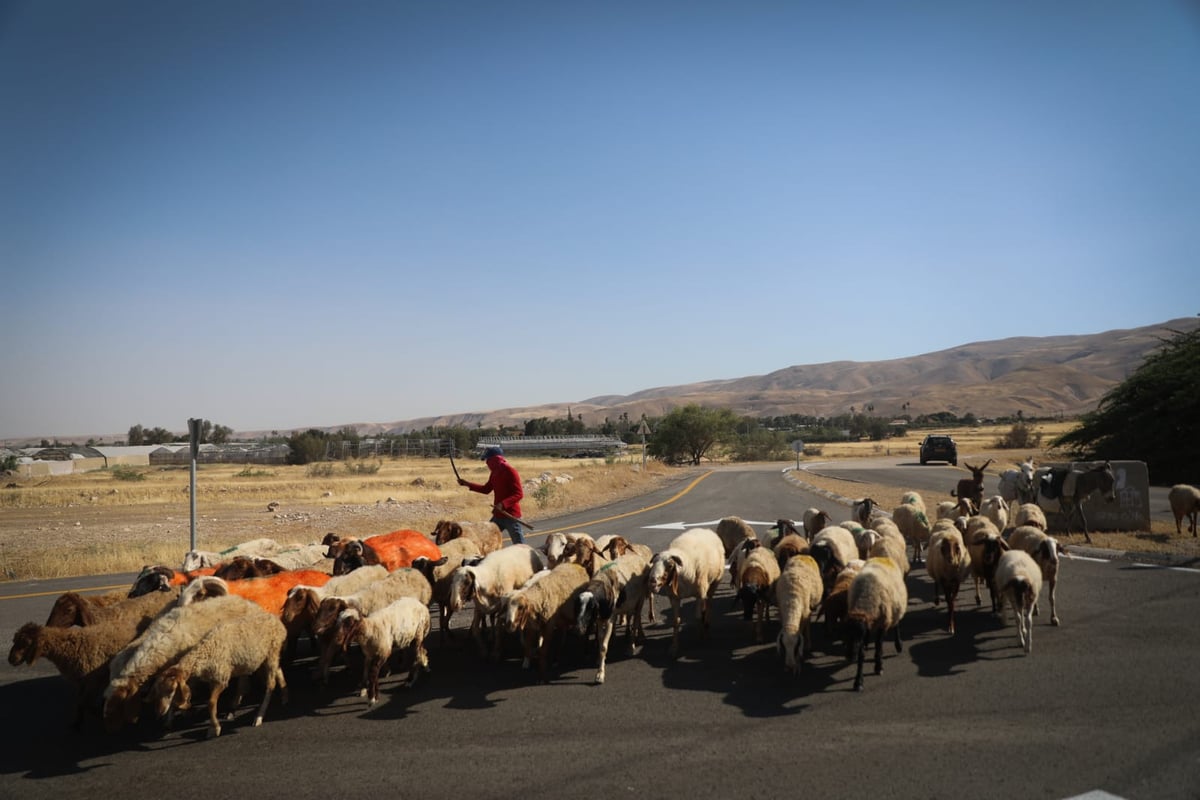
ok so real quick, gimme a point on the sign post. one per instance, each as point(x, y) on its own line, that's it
point(194, 437)
point(798, 446)
point(643, 430)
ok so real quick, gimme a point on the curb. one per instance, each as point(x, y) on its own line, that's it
point(1088, 551)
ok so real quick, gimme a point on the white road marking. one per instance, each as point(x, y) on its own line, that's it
point(679, 526)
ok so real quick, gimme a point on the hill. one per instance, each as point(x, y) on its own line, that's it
point(1039, 376)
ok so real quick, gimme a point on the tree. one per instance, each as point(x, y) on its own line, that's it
point(688, 433)
point(1152, 416)
point(220, 434)
point(137, 435)
point(308, 446)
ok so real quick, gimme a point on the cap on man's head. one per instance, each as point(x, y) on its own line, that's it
point(491, 451)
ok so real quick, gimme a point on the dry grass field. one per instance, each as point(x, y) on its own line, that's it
point(116, 521)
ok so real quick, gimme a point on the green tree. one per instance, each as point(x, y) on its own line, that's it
point(688, 433)
point(221, 434)
point(307, 447)
point(1152, 416)
point(137, 436)
point(159, 435)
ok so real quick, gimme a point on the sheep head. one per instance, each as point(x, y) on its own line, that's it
point(25, 649)
point(446, 530)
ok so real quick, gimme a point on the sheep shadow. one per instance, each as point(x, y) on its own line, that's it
point(937, 653)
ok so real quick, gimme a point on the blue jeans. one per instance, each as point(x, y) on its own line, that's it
point(512, 528)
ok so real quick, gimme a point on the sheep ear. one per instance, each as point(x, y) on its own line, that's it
point(676, 560)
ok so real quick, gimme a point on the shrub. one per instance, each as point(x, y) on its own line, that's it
point(321, 469)
point(124, 473)
point(1020, 436)
point(362, 467)
point(250, 472)
point(544, 493)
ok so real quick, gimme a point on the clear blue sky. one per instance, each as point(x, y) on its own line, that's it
point(287, 214)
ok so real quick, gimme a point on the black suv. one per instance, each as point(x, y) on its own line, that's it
point(939, 448)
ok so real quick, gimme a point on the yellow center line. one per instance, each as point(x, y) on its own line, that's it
point(531, 535)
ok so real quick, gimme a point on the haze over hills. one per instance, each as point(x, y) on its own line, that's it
point(1039, 376)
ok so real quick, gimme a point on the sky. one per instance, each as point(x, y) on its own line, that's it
point(281, 215)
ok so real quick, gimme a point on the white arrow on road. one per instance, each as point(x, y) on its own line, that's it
point(680, 526)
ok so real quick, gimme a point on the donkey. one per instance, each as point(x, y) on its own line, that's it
point(1077, 486)
point(972, 487)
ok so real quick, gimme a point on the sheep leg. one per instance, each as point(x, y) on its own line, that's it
point(879, 652)
point(420, 662)
point(214, 695)
point(859, 640)
point(951, 596)
point(674, 652)
point(274, 679)
point(1053, 607)
point(371, 679)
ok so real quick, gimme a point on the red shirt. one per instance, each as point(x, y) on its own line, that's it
point(505, 482)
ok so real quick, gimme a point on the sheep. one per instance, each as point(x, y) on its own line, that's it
point(781, 528)
point(789, 546)
point(732, 531)
point(72, 608)
point(242, 567)
point(613, 546)
point(161, 578)
point(860, 510)
point(911, 518)
point(487, 581)
point(891, 545)
point(864, 538)
point(82, 654)
point(162, 644)
point(403, 623)
point(289, 556)
point(486, 535)
point(757, 574)
point(1028, 514)
point(985, 546)
point(691, 566)
point(299, 612)
point(440, 573)
point(403, 582)
point(836, 602)
point(1016, 485)
point(798, 593)
point(948, 510)
point(876, 603)
point(996, 509)
point(972, 487)
point(618, 588)
point(814, 520)
point(556, 544)
point(393, 550)
point(947, 560)
point(1044, 550)
point(1185, 502)
point(236, 648)
point(270, 592)
point(1018, 580)
point(542, 608)
point(833, 548)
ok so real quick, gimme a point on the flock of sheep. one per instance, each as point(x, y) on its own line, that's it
point(175, 632)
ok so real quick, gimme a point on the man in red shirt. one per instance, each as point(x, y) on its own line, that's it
point(506, 483)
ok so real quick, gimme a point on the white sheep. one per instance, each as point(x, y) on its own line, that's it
point(1018, 580)
point(238, 647)
point(757, 573)
point(833, 548)
point(162, 644)
point(1185, 502)
point(299, 612)
point(543, 608)
point(440, 574)
point(891, 545)
point(876, 603)
point(486, 582)
point(402, 582)
point(732, 531)
point(1027, 514)
point(947, 560)
point(613, 546)
point(948, 510)
point(403, 623)
point(911, 518)
point(985, 546)
point(555, 546)
point(996, 509)
point(617, 589)
point(1044, 550)
point(814, 520)
point(798, 593)
point(865, 538)
point(691, 566)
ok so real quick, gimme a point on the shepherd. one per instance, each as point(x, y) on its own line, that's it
point(506, 483)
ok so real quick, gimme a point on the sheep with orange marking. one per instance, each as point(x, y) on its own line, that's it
point(691, 566)
point(798, 591)
point(403, 624)
point(250, 644)
point(877, 601)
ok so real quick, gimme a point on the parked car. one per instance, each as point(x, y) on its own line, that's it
point(939, 448)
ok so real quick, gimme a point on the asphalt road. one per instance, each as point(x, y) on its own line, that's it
point(1105, 702)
